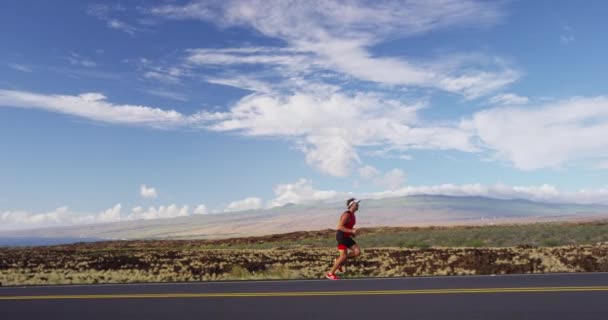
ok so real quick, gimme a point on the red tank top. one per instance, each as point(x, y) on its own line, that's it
point(350, 222)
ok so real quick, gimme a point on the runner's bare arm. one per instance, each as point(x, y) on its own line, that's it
point(342, 223)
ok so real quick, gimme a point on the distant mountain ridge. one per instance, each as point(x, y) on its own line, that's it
point(419, 210)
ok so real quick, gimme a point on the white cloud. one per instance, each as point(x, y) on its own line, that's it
point(162, 212)
point(368, 172)
point(391, 180)
point(12, 220)
point(26, 218)
point(147, 192)
point(201, 209)
point(332, 155)
point(110, 215)
point(508, 99)
point(301, 191)
point(548, 136)
point(63, 216)
point(329, 141)
point(251, 203)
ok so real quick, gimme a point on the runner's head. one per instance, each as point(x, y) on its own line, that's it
point(352, 204)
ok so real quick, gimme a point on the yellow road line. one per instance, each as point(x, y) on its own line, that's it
point(307, 293)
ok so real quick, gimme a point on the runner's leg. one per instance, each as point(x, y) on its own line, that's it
point(355, 251)
point(341, 259)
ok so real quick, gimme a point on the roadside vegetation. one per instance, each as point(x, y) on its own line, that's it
point(387, 252)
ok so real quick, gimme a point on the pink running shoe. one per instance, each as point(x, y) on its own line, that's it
point(331, 276)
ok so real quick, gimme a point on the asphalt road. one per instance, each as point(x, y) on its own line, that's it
point(551, 296)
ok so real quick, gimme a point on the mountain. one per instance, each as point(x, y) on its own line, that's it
point(418, 210)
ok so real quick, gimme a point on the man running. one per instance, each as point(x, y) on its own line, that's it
point(344, 236)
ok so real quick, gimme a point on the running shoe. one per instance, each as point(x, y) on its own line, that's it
point(331, 276)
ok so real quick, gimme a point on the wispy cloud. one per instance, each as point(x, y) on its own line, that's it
point(567, 35)
point(566, 38)
point(122, 26)
point(336, 36)
point(166, 94)
point(391, 180)
point(20, 67)
point(337, 17)
point(508, 99)
point(79, 60)
point(80, 72)
point(452, 74)
point(95, 107)
point(243, 82)
point(256, 55)
point(170, 75)
point(104, 13)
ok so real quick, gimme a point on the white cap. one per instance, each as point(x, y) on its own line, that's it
point(350, 203)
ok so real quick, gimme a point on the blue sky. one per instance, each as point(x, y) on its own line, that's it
point(124, 110)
